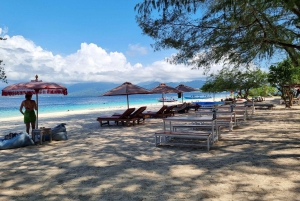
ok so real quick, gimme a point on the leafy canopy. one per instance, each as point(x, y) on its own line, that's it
point(2, 72)
point(235, 79)
point(284, 76)
point(206, 31)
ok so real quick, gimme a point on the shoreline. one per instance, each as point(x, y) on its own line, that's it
point(106, 110)
point(53, 105)
point(16, 124)
point(50, 120)
point(103, 111)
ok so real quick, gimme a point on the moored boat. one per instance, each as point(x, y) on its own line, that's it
point(198, 97)
point(165, 99)
point(208, 103)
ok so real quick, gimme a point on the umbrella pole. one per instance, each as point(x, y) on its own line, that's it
point(127, 102)
point(37, 111)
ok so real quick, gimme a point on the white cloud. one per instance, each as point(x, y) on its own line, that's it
point(136, 50)
point(23, 60)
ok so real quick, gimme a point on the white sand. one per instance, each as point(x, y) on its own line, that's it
point(259, 160)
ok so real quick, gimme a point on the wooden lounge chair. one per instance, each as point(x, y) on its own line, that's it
point(159, 113)
point(180, 108)
point(121, 118)
point(136, 115)
point(169, 111)
point(192, 106)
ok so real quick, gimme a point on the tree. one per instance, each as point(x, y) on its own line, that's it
point(2, 72)
point(206, 31)
point(283, 77)
point(265, 90)
point(235, 79)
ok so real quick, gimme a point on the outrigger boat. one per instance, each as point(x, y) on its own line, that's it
point(209, 103)
point(165, 99)
point(198, 97)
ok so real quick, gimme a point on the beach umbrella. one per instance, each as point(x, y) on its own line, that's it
point(35, 87)
point(126, 89)
point(185, 88)
point(162, 88)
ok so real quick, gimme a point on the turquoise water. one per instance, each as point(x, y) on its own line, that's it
point(10, 105)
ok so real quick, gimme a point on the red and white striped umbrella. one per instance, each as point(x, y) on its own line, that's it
point(35, 87)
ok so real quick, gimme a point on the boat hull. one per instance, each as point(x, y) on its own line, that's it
point(209, 103)
point(197, 97)
point(166, 100)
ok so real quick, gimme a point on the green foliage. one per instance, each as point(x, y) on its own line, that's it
point(283, 77)
point(285, 73)
point(235, 79)
point(2, 72)
point(265, 90)
point(206, 31)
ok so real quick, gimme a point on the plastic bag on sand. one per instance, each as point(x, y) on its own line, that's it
point(59, 132)
point(20, 140)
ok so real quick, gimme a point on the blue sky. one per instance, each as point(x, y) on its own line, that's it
point(81, 41)
point(61, 26)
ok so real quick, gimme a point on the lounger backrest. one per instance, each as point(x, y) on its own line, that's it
point(183, 106)
point(138, 112)
point(169, 109)
point(127, 113)
point(162, 109)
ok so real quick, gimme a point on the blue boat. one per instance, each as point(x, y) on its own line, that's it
point(198, 97)
point(208, 103)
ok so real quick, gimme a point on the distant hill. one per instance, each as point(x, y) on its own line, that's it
point(195, 84)
point(98, 88)
point(90, 89)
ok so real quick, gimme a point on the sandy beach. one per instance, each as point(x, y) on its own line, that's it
point(258, 160)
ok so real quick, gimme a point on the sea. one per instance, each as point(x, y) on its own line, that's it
point(9, 105)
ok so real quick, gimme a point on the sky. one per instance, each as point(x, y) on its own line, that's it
point(73, 41)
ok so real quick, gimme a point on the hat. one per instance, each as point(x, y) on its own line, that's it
point(29, 93)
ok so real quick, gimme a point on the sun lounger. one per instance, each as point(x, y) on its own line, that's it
point(224, 118)
point(180, 108)
point(169, 111)
point(136, 115)
point(198, 127)
point(164, 138)
point(122, 118)
point(159, 113)
point(262, 105)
